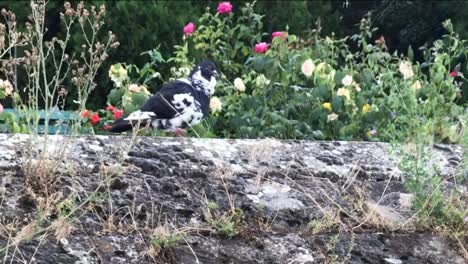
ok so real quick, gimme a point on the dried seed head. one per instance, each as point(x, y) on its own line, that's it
point(115, 44)
point(85, 13)
point(104, 56)
point(79, 7)
point(99, 46)
point(93, 11)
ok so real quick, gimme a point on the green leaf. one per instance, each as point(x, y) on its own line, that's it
point(115, 96)
point(337, 103)
point(321, 92)
point(138, 99)
point(317, 134)
point(410, 53)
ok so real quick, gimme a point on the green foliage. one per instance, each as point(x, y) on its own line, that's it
point(156, 23)
point(435, 205)
point(166, 240)
point(224, 223)
point(378, 99)
point(323, 87)
point(347, 94)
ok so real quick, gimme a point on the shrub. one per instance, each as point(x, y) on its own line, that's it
point(323, 87)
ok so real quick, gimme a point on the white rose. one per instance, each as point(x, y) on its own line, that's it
point(406, 69)
point(332, 117)
point(7, 86)
point(239, 85)
point(416, 85)
point(343, 92)
point(215, 104)
point(308, 67)
point(357, 87)
point(347, 80)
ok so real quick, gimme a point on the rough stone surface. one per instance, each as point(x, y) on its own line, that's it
point(295, 202)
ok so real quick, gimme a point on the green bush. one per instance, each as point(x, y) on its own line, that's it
point(321, 87)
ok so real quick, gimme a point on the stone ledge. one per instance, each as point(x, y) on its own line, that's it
point(284, 189)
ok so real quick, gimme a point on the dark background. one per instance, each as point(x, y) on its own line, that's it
point(144, 25)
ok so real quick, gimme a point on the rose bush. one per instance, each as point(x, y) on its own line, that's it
point(279, 85)
point(293, 89)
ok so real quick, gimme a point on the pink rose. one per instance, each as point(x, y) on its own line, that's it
point(279, 34)
point(134, 88)
point(1, 108)
point(189, 28)
point(261, 47)
point(224, 7)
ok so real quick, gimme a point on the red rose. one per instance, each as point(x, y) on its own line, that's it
point(107, 127)
point(110, 108)
point(118, 113)
point(95, 118)
point(454, 74)
point(85, 113)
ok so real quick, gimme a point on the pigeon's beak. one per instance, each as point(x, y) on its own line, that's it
point(216, 75)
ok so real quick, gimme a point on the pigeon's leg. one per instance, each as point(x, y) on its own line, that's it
point(179, 132)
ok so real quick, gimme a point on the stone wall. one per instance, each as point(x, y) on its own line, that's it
point(217, 201)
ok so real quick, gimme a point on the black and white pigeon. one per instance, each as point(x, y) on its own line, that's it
point(177, 105)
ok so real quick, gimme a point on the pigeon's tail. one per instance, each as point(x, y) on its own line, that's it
point(121, 125)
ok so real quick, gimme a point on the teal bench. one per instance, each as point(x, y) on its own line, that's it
point(59, 121)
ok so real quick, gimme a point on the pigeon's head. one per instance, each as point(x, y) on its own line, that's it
point(207, 70)
point(204, 76)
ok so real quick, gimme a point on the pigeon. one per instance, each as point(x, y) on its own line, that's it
point(181, 103)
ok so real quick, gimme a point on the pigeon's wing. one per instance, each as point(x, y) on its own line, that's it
point(170, 100)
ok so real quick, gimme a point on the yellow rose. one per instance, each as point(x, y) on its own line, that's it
point(416, 85)
point(327, 106)
point(366, 108)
